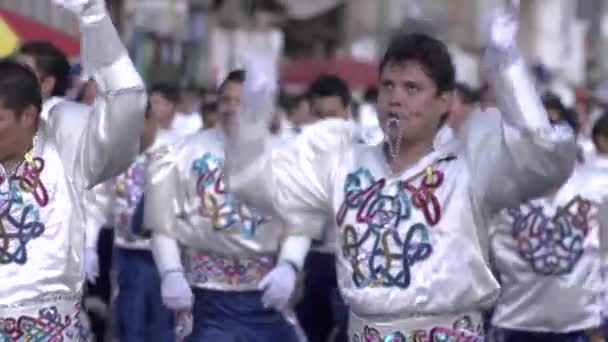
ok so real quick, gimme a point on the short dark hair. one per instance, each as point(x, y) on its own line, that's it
point(371, 94)
point(552, 102)
point(50, 61)
point(466, 93)
point(236, 76)
point(600, 128)
point(330, 85)
point(166, 90)
point(19, 87)
point(429, 52)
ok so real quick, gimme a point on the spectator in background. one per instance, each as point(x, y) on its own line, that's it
point(558, 112)
point(330, 97)
point(298, 114)
point(163, 103)
point(321, 311)
point(210, 115)
point(371, 133)
point(51, 67)
point(187, 118)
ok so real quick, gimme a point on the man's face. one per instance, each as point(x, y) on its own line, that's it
point(14, 131)
point(302, 114)
point(329, 107)
point(408, 103)
point(230, 99)
point(47, 83)
point(161, 109)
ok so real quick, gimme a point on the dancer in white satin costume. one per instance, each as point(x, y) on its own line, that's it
point(548, 253)
point(46, 168)
point(412, 220)
point(241, 265)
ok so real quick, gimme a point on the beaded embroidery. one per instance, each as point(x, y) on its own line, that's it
point(551, 245)
point(380, 249)
point(226, 213)
point(208, 268)
point(49, 325)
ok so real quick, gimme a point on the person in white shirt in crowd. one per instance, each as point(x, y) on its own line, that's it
point(47, 164)
point(211, 115)
point(298, 115)
point(188, 117)
point(412, 219)
point(163, 106)
point(139, 314)
point(548, 254)
point(321, 310)
point(371, 132)
point(242, 266)
point(52, 68)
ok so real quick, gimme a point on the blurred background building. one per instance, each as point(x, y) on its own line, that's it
point(195, 42)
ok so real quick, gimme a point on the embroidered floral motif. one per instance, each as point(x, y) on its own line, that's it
point(129, 188)
point(49, 325)
point(551, 245)
point(226, 213)
point(21, 198)
point(462, 331)
point(211, 268)
point(382, 243)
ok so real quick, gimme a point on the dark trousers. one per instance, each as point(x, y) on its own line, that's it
point(138, 311)
point(508, 335)
point(322, 308)
point(223, 316)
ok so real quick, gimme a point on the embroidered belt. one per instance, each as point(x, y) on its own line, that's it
point(448, 328)
point(61, 319)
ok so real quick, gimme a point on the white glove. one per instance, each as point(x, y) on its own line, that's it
point(91, 264)
point(176, 292)
point(501, 37)
point(278, 286)
point(88, 11)
point(183, 325)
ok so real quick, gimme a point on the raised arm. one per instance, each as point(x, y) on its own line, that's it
point(514, 154)
point(293, 182)
point(106, 142)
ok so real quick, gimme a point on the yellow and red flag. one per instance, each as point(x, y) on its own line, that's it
point(16, 29)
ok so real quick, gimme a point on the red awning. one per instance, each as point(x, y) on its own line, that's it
point(357, 74)
point(28, 29)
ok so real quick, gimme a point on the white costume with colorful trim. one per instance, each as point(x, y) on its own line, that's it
point(42, 216)
point(413, 246)
point(548, 253)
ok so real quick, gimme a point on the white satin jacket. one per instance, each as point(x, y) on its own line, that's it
point(42, 220)
point(413, 244)
point(548, 253)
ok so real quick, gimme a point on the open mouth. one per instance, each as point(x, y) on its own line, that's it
point(393, 120)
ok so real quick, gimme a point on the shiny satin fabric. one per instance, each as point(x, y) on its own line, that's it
point(414, 243)
point(548, 253)
point(227, 245)
point(42, 218)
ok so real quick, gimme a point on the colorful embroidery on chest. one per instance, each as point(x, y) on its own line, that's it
point(551, 245)
point(381, 241)
point(21, 198)
point(226, 213)
point(437, 334)
point(49, 325)
point(129, 188)
point(208, 268)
